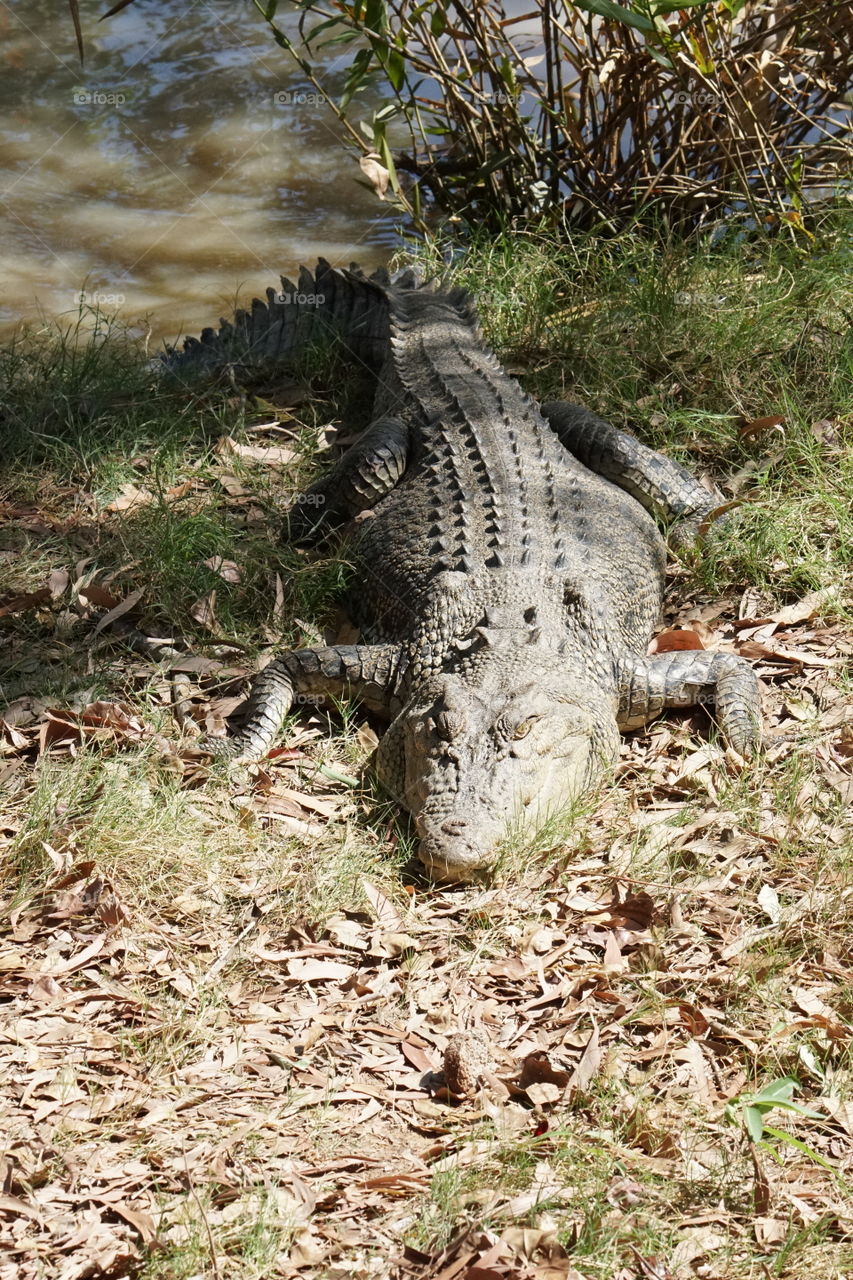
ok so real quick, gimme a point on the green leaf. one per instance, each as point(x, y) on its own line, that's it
point(335, 774)
point(705, 65)
point(438, 23)
point(800, 1110)
point(782, 1136)
point(615, 13)
point(670, 6)
point(345, 37)
point(495, 163)
point(754, 1122)
point(506, 71)
point(388, 161)
point(660, 58)
point(394, 63)
point(776, 1092)
point(324, 26)
point(357, 76)
point(385, 113)
point(375, 15)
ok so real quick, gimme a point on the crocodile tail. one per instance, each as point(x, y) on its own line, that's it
point(330, 304)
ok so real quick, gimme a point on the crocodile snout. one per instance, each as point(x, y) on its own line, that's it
point(452, 852)
point(454, 827)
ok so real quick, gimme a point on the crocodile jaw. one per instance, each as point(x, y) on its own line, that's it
point(464, 835)
point(459, 849)
point(486, 760)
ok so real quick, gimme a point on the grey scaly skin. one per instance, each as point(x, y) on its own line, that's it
point(510, 573)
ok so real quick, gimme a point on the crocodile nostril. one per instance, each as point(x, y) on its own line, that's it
point(449, 724)
point(454, 827)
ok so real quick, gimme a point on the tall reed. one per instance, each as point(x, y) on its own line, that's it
point(593, 108)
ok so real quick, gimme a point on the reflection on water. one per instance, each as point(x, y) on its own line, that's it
point(186, 162)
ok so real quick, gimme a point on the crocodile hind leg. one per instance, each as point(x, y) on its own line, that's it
point(665, 488)
point(369, 672)
point(367, 471)
point(689, 677)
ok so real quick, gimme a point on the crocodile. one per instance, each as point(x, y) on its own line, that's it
point(509, 567)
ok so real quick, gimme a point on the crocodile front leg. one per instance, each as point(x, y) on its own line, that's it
point(686, 678)
point(662, 486)
point(369, 672)
point(367, 471)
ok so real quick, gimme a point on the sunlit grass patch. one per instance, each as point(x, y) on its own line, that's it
point(251, 1235)
point(141, 828)
point(157, 841)
point(585, 1187)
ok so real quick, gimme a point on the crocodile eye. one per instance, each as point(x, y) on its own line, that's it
point(522, 730)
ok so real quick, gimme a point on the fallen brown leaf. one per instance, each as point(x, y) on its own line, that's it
point(536, 1069)
point(118, 611)
point(383, 908)
point(23, 603)
point(757, 425)
point(674, 639)
point(319, 970)
point(203, 611)
point(228, 570)
point(375, 173)
point(588, 1066)
point(269, 455)
point(130, 498)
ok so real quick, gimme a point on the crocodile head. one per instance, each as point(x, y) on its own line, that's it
point(493, 750)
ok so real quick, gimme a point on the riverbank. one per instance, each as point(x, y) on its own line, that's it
point(226, 1000)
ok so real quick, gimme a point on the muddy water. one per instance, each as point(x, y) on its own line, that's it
point(187, 162)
